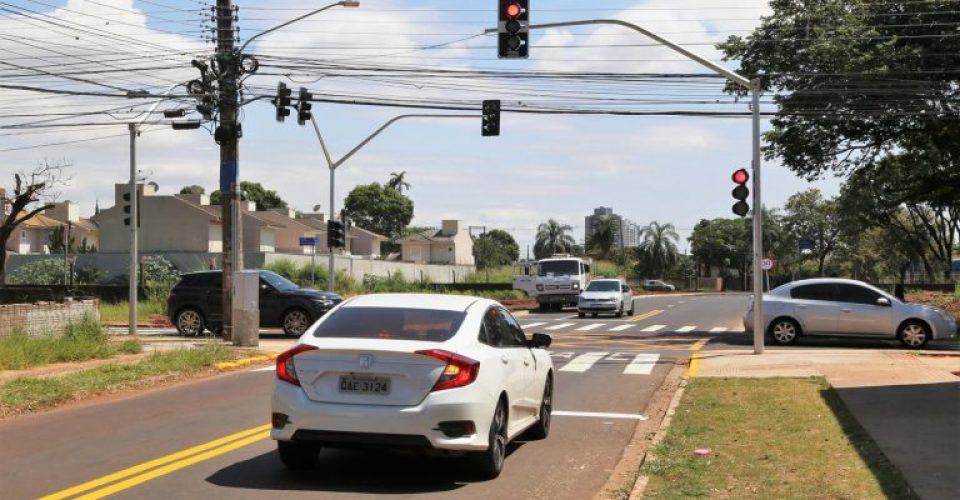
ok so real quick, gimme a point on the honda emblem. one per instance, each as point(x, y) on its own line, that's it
point(366, 361)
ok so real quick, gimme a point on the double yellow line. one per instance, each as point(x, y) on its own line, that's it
point(132, 476)
point(648, 314)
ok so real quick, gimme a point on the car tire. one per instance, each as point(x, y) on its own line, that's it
point(190, 322)
point(581, 315)
point(619, 313)
point(913, 334)
point(542, 308)
point(295, 321)
point(297, 456)
point(632, 307)
point(541, 429)
point(593, 315)
point(784, 331)
point(489, 463)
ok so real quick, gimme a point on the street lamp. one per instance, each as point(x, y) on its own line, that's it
point(345, 3)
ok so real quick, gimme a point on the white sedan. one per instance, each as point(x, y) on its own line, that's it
point(411, 371)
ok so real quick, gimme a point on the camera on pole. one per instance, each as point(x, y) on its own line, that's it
point(304, 106)
point(282, 101)
point(513, 29)
point(490, 125)
point(740, 193)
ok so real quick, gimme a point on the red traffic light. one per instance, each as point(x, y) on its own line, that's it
point(740, 176)
point(513, 10)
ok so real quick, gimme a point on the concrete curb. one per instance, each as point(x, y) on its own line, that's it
point(243, 362)
point(638, 487)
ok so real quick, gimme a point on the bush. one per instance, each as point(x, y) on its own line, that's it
point(159, 276)
point(40, 272)
point(285, 268)
point(80, 341)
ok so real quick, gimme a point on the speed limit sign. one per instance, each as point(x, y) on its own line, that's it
point(767, 264)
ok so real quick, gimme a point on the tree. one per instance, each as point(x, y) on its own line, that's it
point(33, 192)
point(603, 236)
point(193, 189)
point(495, 248)
point(55, 240)
point(811, 217)
point(721, 244)
point(552, 238)
point(658, 252)
point(265, 199)
point(380, 209)
point(398, 181)
point(850, 87)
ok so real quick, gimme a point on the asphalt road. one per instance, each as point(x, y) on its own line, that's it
point(607, 370)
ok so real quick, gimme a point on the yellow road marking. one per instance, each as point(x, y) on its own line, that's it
point(694, 367)
point(699, 344)
point(648, 314)
point(142, 478)
point(136, 469)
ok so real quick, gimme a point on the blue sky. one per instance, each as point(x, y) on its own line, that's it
point(666, 169)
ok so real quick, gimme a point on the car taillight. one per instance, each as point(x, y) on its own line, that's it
point(460, 370)
point(286, 369)
point(539, 287)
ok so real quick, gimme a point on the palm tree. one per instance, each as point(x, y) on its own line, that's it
point(397, 181)
point(552, 238)
point(659, 248)
point(603, 236)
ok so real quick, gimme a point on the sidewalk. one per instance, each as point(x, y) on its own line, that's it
point(909, 402)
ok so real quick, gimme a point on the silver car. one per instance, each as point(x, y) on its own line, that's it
point(607, 296)
point(847, 308)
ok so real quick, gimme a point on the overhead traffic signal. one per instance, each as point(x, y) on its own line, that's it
point(282, 101)
point(335, 234)
point(127, 209)
point(490, 125)
point(304, 106)
point(513, 29)
point(740, 193)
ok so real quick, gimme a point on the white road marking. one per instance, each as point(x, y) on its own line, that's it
point(590, 327)
point(718, 329)
point(683, 302)
point(621, 328)
point(264, 369)
point(531, 325)
point(669, 305)
point(583, 362)
point(561, 326)
point(685, 329)
point(626, 416)
point(642, 364)
point(653, 328)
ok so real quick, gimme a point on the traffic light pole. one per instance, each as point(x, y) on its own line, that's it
point(755, 89)
point(332, 165)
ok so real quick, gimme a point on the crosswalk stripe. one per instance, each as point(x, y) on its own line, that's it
point(531, 325)
point(653, 328)
point(718, 329)
point(642, 364)
point(583, 362)
point(590, 327)
point(561, 326)
point(621, 328)
point(685, 329)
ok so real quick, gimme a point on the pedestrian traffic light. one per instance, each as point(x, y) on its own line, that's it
point(335, 234)
point(126, 209)
point(304, 106)
point(513, 29)
point(490, 125)
point(282, 101)
point(740, 193)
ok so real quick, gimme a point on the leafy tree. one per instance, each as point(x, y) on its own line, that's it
point(159, 276)
point(495, 248)
point(398, 181)
point(33, 192)
point(850, 87)
point(721, 244)
point(658, 252)
point(552, 238)
point(380, 209)
point(193, 189)
point(265, 199)
point(809, 216)
point(603, 236)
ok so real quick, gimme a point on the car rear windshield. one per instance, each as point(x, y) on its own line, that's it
point(603, 286)
point(429, 325)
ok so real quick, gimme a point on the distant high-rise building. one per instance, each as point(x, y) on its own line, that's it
point(627, 233)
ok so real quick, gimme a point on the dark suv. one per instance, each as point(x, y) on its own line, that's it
point(196, 303)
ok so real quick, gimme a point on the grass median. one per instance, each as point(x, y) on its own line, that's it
point(768, 438)
point(26, 394)
point(80, 341)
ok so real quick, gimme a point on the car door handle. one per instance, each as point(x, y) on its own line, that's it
point(801, 307)
point(504, 359)
point(526, 362)
point(846, 310)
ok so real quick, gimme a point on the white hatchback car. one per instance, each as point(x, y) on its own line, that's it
point(411, 371)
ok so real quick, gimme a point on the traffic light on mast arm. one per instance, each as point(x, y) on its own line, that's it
point(490, 125)
point(740, 193)
point(282, 101)
point(304, 106)
point(513, 29)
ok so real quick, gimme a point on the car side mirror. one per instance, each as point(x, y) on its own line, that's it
point(264, 288)
point(539, 341)
point(883, 301)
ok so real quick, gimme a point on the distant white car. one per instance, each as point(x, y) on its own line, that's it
point(606, 296)
point(657, 285)
point(411, 371)
point(847, 308)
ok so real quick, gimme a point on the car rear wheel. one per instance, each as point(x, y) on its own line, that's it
point(541, 429)
point(619, 313)
point(190, 322)
point(784, 331)
point(632, 307)
point(295, 322)
point(581, 315)
point(297, 456)
point(913, 334)
point(489, 463)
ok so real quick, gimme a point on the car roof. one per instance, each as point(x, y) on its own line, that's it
point(416, 301)
point(829, 281)
point(606, 279)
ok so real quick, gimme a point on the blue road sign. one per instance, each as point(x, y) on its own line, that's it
point(310, 241)
point(807, 244)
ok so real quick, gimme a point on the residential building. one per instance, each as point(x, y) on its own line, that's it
point(451, 244)
point(627, 233)
point(359, 240)
point(84, 232)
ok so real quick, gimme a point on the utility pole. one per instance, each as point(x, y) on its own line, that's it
point(228, 137)
point(132, 187)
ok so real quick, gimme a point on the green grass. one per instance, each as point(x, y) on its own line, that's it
point(770, 438)
point(119, 311)
point(31, 393)
point(81, 341)
point(502, 274)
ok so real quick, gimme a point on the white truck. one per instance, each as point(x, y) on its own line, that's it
point(555, 281)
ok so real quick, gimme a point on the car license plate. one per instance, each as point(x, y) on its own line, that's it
point(364, 385)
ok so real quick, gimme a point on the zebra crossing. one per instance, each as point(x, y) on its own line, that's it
point(622, 327)
point(634, 363)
